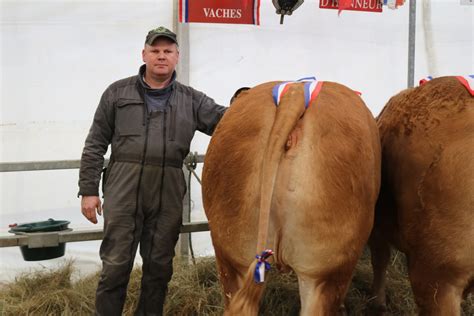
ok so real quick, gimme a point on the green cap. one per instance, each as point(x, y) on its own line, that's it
point(160, 32)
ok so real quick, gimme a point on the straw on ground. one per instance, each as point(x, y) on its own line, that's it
point(195, 290)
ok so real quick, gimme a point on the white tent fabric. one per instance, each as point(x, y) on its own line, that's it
point(57, 57)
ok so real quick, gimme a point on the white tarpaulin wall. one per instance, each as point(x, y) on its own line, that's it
point(57, 57)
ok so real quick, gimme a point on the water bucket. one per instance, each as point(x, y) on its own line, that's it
point(30, 229)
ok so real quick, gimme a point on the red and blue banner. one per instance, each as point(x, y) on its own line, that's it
point(354, 5)
point(220, 11)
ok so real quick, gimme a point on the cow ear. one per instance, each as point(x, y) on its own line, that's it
point(236, 93)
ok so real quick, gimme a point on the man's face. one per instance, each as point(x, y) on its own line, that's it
point(160, 58)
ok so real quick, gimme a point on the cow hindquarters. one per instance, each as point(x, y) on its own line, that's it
point(290, 110)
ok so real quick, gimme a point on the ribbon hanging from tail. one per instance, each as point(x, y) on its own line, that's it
point(262, 265)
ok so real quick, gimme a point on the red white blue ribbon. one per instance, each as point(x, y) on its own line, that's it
point(311, 90)
point(468, 82)
point(262, 265)
point(425, 80)
point(279, 90)
point(393, 4)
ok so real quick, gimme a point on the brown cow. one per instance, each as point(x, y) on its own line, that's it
point(317, 174)
point(426, 203)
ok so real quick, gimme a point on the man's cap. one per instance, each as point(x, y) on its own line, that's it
point(160, 32)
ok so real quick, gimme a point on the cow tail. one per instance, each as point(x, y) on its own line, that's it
point(246, 300)
point(289, 111)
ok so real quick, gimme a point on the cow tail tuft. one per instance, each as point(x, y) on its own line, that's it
point(247, 299)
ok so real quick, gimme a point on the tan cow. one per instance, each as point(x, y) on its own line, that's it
point(426, 204)
point(317, 173)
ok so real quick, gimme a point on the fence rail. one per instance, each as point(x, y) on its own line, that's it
point(68, 164)
point(41, 165)
point(51, 239)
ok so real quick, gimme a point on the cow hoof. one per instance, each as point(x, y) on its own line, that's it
point(342, 310)
point(375, 309)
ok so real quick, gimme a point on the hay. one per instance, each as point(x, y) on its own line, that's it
point(195, 290)
point(47, 292)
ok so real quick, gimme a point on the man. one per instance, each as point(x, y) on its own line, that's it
point(149, 120)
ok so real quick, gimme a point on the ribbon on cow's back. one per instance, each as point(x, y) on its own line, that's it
point(425, 80)
point(312, 87)
point(467, 81)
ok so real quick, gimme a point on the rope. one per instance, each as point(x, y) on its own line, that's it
point(191, 165)
point(196, 176)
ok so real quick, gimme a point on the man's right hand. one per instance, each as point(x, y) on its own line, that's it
point(89, 205)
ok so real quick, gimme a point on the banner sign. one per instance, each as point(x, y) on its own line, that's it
point(220, 11)
point(355, 5)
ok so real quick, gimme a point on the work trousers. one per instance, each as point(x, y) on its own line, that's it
point(140, 208)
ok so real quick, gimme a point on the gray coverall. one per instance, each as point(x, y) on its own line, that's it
point(144, 185)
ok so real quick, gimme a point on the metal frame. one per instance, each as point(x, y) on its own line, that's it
point(411, 44)
point(51, 239)
point(182, 30)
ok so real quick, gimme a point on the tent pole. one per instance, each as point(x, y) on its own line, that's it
point(411, 43)
point(182, 74)
point(182, 32)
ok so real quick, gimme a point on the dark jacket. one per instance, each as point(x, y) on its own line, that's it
point(158, 138)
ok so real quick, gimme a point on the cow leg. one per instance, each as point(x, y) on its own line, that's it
point(385, 219)
point(322, 298)
point(434, 296)
point(469, 289)
point(229, 279)
point(380, 257)
point(242, 294)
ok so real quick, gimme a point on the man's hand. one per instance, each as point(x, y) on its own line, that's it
point(89, 205)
